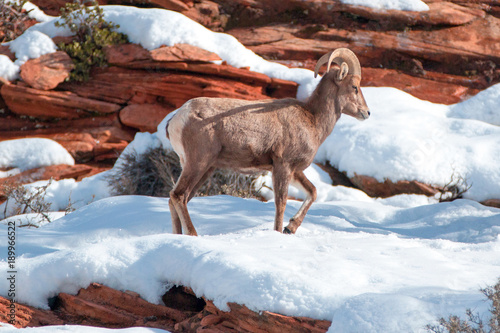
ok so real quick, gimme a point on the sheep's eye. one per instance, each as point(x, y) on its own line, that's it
point(355, 88)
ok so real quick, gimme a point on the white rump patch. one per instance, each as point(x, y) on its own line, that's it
point(175, 129)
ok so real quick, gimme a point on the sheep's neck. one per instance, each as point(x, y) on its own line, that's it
point(326, 111)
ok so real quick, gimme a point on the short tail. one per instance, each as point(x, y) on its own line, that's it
point(166, 128)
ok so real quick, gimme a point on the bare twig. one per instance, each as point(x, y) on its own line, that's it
point(455, 188)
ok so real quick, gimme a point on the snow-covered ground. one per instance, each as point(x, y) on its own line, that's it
point(411, 5)
point(77, 329)
point(370, 265)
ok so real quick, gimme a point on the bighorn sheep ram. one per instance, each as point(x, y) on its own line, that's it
point(281, 136)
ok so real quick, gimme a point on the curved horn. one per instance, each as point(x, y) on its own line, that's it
point(339, 56)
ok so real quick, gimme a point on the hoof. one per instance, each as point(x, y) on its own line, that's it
point(287, 231)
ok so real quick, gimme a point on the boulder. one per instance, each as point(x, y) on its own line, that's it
point(47, 71)
point(144, 117)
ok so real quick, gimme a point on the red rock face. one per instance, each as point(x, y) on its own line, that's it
point(95, 120)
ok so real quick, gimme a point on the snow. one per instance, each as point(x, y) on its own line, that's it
point(36, 13)
point(8, 70)
point(410, 139)
point(346, 252)
point(484, 107)
point(408, 5)
point(30, 45)
point(66, 193)
point(25, 154)
point(77, 329)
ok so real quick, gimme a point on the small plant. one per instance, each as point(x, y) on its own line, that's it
point(454, 189)
point(28, 200)
point(14, 20)
point(92, 33)
point(474, 323)
point(155, 172)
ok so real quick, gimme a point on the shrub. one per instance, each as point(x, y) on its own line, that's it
point(13, 20)
point(92, 33)
point(155, 172)
point(27, 200)
point(474, 323)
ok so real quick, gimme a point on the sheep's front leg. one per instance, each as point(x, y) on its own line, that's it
point(281, 179)
point(305, 185)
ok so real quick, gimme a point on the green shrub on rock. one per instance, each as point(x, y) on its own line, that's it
point(92, 33)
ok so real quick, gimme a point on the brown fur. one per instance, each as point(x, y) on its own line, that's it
point(281, 136)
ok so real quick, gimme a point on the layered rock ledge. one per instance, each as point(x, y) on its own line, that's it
point(101, 306)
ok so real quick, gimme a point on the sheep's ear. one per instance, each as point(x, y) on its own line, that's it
point(344, 70)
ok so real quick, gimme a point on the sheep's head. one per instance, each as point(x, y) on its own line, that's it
point(347, 78)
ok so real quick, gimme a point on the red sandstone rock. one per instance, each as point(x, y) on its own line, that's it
point(105, 151)
point(440, 14)
point(183, 57)
point(52, 7)
point(176, 5)
point(241, 319)
point(492, 203)
point(52, 104)
point(5, 50)
point(47, 71)
point(144, 117)
point(27, 316)
point(55, 172)
point(12, 126)
point(474, 41)
point(128, 301)
point(374, 188)
point(122, 85)
point(89, 310)
point(125, 53)
point(183, 52)
point(431, 87)
point(102, 306)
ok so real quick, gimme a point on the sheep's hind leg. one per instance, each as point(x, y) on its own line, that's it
point(189, 181)
point(303, 183)
point(176, 222)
